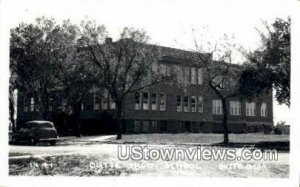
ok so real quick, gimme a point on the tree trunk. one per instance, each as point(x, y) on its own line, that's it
point(77, 111)
point(224, 121)
point(119, 105)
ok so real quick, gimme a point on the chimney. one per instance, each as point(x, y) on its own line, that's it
point(108, 40)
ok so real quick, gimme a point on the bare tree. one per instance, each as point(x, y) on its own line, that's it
point(127, 65)
point(223, 76)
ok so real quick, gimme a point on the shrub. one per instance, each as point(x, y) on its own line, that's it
point(282, 128)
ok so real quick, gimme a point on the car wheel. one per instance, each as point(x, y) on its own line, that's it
point(53, 142)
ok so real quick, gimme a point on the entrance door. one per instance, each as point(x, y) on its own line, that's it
point(187, 126)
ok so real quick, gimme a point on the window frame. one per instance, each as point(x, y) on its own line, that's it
point(200, 110)
point(263, 110)
point(164, 101)
point(137, 105)
point(200, 76)
point(147, 101)
point(250, 109)
point(217, 107)
point(193, 109)
point(235, 108)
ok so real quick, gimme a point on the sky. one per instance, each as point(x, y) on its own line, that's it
point(172, 23)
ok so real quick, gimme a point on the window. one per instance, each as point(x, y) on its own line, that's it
point(186, 75)
point(64, 105)
point(154, 126)
point(179, 103)
point(217, 107)
point(193, 103)
point(186, 104)
point(50, 104)
point(137, 126)
point(26, 104)
point(200, 76)
point(250, 109)
point(82, 106)
point(200, 104)
point(179, 73)
point(112, 102)
point(145, 126)
point(137, 97)
point(193, 76)
point(153, 101)
point(162, 101)
point(104, 101)
point(32, 104)
point(145, 101)
point(96, 101)
point(263, 110)
point(235, 108)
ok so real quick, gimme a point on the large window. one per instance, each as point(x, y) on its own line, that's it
point(145, 126)
point(179, 103)
point(263, 110)
point(137, 126)
point(179, 73)
point(137, 98)
point(186, 75)
point(193, 103)
point(200, 104)
point(250, 109)
point(153, 101)
point(50, 104)
point(162, 101)
point(112, 102)
point(217, 107)
point(235, 108)
point(186, 104)
point(82, 107)
point(145, 101)
point(105, 98)
point(193, 75)
point(96, 101)
point(200, 76)
point(154, 126)
point(32, 104)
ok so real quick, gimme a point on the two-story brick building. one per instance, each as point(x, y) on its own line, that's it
point(166, 107)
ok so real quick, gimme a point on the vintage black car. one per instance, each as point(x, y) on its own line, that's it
point(36, 131)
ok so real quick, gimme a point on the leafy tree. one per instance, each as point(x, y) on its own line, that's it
point(37, 52)
point(125, 65)
point(269, 66)
point(77, 78)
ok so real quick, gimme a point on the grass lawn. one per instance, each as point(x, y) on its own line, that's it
point(80, 165)
point(79, 162)
point(200, 138)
